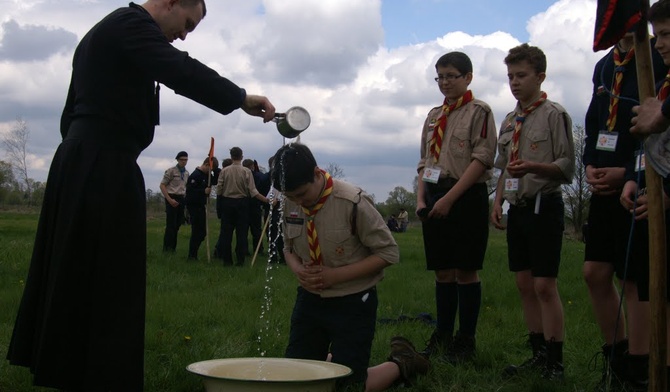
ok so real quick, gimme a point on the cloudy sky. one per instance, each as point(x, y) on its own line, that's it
point(362, 68)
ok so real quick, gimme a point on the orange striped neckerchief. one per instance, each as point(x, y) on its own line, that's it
point(664, 91)
point(312, 236)
point(519, 124)
point(438, 133)
point(616, 86)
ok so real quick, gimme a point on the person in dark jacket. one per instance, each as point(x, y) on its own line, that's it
point(198, 188)
point(80, 324)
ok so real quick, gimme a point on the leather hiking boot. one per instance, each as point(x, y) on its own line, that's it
point(408, 360)
point(613, 366)
point(536, 363)
point(553, 372)
point(438, 343)
point(461, 349)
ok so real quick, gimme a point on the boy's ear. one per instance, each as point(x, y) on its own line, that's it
point(541, 76)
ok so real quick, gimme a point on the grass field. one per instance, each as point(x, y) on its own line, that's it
point(198, 311)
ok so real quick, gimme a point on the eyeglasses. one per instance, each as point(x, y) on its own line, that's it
point(448, 77)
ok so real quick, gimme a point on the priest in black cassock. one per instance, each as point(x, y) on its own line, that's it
point(80, 325)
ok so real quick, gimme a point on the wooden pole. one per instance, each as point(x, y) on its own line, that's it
point(260, 241)
point(656, 209)
point(209, 185)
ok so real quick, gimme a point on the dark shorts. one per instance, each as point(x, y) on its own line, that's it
point(342, 326)
point(607, 235)
point(458, 241)
point(534, 241)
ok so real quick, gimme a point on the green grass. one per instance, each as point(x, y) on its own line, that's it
point(199, 311)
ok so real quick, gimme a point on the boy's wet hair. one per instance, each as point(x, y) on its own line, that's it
point(293, 167)
point(458, 60)
point(532, 54)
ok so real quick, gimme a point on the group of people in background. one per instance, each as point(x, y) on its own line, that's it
point(398, 222)
point(242, 204)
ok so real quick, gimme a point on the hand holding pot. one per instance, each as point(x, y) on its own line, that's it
point(259, 106)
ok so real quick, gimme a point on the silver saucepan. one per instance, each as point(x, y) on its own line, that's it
point(291, 123)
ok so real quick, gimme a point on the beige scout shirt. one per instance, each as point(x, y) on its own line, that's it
point(174, 181)
point(236, 182)
point(338, 245)
point(546, 137)
point(470, 134)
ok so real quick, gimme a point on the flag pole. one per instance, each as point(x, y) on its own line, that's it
point(656, 220)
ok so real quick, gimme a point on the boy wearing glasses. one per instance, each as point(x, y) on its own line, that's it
point(457, 151)
point(536, 156)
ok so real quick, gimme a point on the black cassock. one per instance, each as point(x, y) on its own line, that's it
point(80, 325)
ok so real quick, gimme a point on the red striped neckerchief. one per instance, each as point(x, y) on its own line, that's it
point(519, 124)
point(438, 133)
point(619, 67)
point(312, 236)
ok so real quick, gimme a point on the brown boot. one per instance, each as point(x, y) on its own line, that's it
point(408, 360)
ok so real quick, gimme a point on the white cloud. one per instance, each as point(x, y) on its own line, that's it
point(367, 102)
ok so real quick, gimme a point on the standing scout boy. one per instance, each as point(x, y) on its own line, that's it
point(173, 188)
point(609, 146)
point(337, 245)
point(457, 150)
point(536, 156)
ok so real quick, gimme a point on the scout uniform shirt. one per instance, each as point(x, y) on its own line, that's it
point(236, 182)
point(175, 181)
point(341, 244)
point(546, 137)
point(470, 134)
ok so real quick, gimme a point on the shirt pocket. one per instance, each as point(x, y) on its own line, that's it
point(504, 148)
point(538, 146)
point(336, 246)
point(460, 142)
point(293, 230)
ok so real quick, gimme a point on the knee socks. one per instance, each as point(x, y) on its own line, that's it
point(446, 300)
point(469, 303)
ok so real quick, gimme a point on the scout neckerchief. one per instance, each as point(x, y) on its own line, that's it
point(312, 237)
point(181, 171)
point(619, 68)
point(519, 124)
point(438, 134)
point(664, 91)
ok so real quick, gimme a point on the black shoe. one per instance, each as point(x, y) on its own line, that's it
point(437, 344)
point(461, 349)
point(536, 363)
point(408, 360)
point(553, 372)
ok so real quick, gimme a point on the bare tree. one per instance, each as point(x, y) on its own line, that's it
point(335, 170)
point(15, 144)
point(576, 194)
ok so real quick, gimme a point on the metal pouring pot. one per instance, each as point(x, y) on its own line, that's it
point(293, 122)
